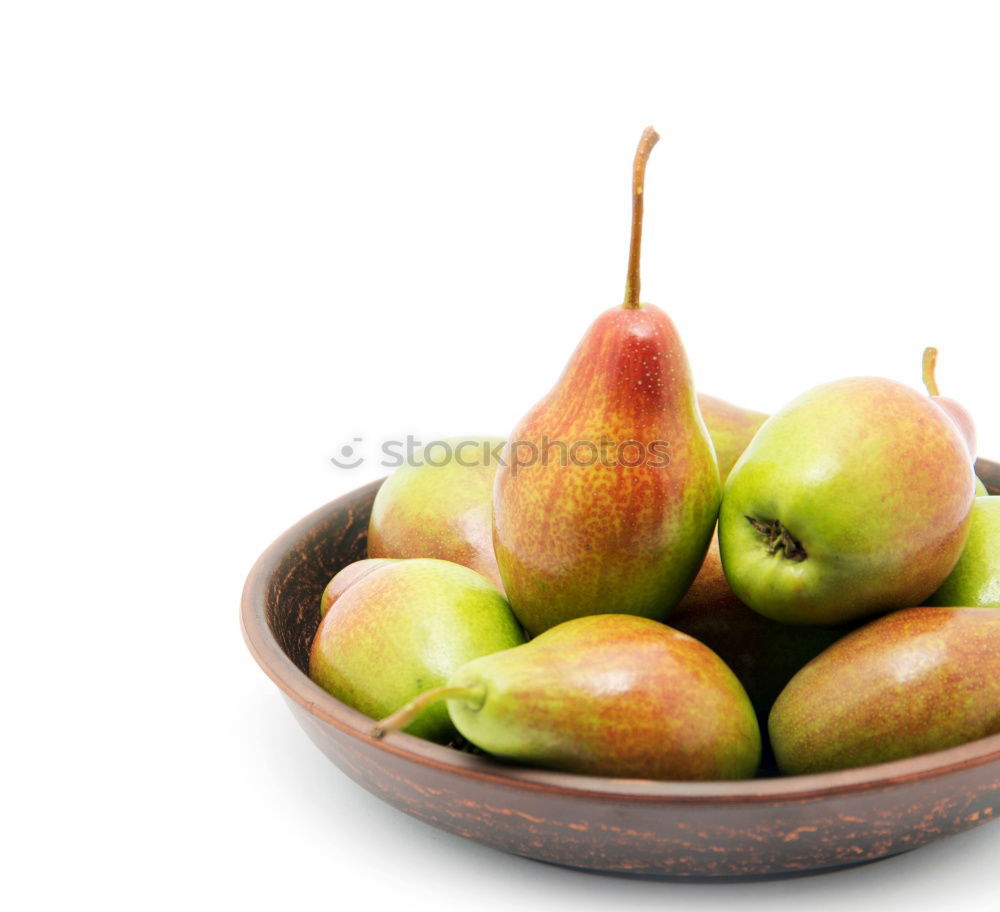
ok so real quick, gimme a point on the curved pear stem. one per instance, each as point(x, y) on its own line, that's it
point(929, 365)
point(649, 139)
point(408, 712)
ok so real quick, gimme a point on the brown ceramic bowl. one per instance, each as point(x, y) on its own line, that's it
point(760, 827)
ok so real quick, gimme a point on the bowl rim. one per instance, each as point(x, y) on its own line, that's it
point(313, 699)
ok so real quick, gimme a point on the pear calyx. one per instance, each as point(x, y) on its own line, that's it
point(778, 538)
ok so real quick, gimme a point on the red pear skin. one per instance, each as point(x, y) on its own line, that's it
point(917, 680)
point(958, 413)
point(731, 429)
point(611, 695)
point(580, 539)
point(963, 420)
point(346, 578)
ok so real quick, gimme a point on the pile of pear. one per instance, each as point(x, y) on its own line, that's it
point(819, 587)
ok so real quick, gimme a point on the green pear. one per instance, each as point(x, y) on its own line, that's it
point(607, 695)
point(975, 580)
point(917, 680)
point(854, 499)
point(731, 429)
point(981, 490)
point(440, 506)
point(609, 489)
point(762, 653)
point(404, 627)
point(346, 578)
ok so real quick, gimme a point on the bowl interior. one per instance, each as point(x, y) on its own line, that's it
point(329, 544)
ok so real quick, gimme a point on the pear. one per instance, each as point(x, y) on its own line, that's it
point(762, 653)
point(404, 627)
point(852, 500)
point(975, 580)
point(917, 680)
point(609, 489)
point(608, 695)
point(958, 413)
point(440, 506)
point(346, 578)
point(731, 429)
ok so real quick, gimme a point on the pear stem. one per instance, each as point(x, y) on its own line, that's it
point(929, 365)
point(649, 139)
point(406, 714)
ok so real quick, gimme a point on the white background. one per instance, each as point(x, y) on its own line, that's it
point(235, 236)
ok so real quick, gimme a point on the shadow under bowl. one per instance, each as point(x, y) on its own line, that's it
point(701, 830)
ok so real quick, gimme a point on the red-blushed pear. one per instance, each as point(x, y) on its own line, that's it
point(731, 429)
point(610, 486)
point(346, 578)
point(854, 499)
point(762, 653)
point(610, 695)
point(404, 627)
point(440, 505)
point(917, 680)
point(954, 410)
point(975, 580)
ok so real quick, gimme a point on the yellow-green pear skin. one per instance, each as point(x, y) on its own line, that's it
point(917, 680)
point(731, 429)
point(440, 506)
point(853, 500)
point(976, 577)
point(981, 489)
point(611, 695)
point(406, 627)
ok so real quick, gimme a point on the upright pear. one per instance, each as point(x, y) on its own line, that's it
point(612, 695)
point(917, 680)
point(731, 429)
point(954, 410)
point(610, 487)
point(854, 499)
